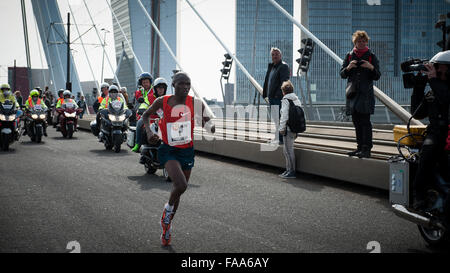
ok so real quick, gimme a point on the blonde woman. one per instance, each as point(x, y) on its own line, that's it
point(361, 68)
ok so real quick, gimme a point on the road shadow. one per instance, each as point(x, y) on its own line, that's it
point(9, 152)
point(155, 181)
point(109, 153)
point(168, 248)
point(309, 182)
point(31, 143)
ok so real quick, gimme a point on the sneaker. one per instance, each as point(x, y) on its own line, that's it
point(166, 220)
point(290, 175)
point(283, 174)
point(136, 148)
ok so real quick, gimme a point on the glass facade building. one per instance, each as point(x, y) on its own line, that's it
point(259, 27)
point(139, 32)
point(398, 29)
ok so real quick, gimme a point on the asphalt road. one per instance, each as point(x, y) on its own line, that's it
point(64, 190)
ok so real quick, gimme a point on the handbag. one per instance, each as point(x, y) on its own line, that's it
point(350, 90)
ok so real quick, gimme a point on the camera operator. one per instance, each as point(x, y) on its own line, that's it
point(435, 105)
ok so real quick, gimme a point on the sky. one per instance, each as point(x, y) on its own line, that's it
point(199, 53)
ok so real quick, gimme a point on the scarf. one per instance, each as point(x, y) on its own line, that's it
point(360, 53)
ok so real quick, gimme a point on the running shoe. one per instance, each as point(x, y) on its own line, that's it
point(283, 174)
point(289, 175)
point(166, 220)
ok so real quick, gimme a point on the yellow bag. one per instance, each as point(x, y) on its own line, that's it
point(402, 130)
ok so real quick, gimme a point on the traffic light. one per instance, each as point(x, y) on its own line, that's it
point(226, 66)
point(305, 54)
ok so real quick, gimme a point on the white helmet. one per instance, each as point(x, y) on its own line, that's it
point(441, 58)
point(105, 84)
point(114, 88)
point(67, 93)
point(159, 81)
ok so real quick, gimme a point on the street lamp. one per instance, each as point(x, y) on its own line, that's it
point(104, 44)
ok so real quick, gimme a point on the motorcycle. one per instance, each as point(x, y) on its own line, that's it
point(50, 112)
point(149, 153)
point(35, 122)
point(9, 126)
point(68, 119)
point(433, 220)
point(114, 125)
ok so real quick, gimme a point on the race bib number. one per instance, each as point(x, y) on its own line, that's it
point(69, 105)
point(179, 133)
point(38, 107)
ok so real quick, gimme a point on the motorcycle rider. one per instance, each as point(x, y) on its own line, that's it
point(67, 98)
point(113, 94)
point(32, 101)
point(6, 94)
point(145, 84)
point(159, 89)
point(144, 97)
point(60, 99)
point(435, 105)
point(104, 89)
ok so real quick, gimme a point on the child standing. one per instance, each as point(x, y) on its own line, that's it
point(288, 137)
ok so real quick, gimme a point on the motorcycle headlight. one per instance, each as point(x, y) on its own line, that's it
point(34, 116)
point(2, 117)
point(117, 118)
point(72, 115)
point(11, 118)
point(42, 116)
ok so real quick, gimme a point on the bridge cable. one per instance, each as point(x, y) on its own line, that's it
point(45, 46)
point(207, 108)
point(103, 45)
point(125, 36)
point(250, 78)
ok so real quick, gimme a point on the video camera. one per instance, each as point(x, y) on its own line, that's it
point(409, 67)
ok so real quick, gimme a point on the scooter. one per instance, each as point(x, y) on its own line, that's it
point(149, 153)
point(35, 122)
point(9, 126)
point(433, 220)
point(68, 119)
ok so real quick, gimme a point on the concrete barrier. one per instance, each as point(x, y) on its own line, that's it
point(368, 172)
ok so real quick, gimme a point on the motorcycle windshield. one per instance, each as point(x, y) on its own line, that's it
point(7, 107)
point(37, 109)
point(115, 107)
point(68, 105)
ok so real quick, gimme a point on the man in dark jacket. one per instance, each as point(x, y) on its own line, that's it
point(435, 105)
point(361, 68)
point(277, 73)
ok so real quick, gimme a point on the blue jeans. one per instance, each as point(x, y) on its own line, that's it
point(276, 118)
point(139, 128)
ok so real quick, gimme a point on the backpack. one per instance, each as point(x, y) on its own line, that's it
point(296, 121)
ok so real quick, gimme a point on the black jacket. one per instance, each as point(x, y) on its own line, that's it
point(364, 101)
point(435, 105)
point(282, 74)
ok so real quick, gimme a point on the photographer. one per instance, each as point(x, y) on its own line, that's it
point(435, 105)
point(361, 68)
